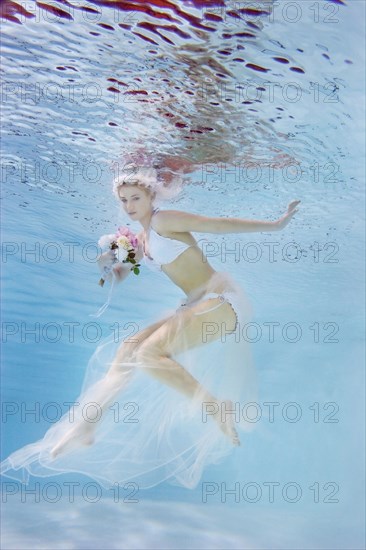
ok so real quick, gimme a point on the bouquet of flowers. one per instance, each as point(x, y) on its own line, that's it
point(124, 244)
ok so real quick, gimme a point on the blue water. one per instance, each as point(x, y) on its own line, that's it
point(312, 288)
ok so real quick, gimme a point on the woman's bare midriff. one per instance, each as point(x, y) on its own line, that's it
point(191, 269)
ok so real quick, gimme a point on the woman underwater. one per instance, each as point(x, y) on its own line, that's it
point(186, 377)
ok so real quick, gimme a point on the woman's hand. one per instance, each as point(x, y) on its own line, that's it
point(286, 218)
point(106, 260)
point(107, 264)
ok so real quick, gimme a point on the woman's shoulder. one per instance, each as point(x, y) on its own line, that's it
point(160, 221)
point(161, 215)
point(165, 221)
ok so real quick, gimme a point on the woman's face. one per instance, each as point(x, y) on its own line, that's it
point(136, 201)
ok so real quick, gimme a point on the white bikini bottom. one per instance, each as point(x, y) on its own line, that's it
point(229, 297)
point(232, 294)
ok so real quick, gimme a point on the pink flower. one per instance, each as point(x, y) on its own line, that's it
point(126, 232)
point(134, 242)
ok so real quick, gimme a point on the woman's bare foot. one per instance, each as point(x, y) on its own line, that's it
point(80, 435)
point(227, 425)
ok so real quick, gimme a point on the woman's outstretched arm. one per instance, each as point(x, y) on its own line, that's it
point(174, 220)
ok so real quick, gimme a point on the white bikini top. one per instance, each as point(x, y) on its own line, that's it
point(164, 250)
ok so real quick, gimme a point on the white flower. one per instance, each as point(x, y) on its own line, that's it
point(121, 254)
point(123, 242)
point(106, 240)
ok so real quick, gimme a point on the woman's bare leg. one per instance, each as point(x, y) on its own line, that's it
point(154, 346)
point(105, 391)
point(171, 338)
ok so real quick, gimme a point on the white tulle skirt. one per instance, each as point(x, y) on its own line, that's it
point(151, 432)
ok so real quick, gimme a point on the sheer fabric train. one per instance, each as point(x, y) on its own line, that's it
point(152, 433)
